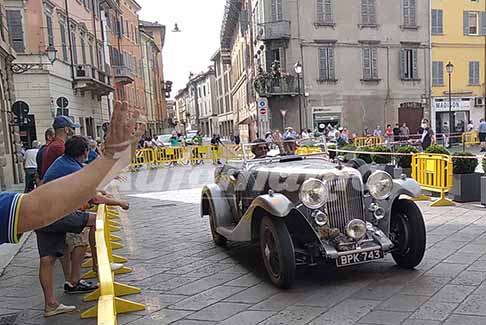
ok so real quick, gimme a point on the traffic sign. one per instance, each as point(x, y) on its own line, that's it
point(262, 105)
point(62, 102)
point(20, 108)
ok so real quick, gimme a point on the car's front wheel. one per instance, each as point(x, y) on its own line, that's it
point(278, 252)
point(217, 238)
point(407, 232)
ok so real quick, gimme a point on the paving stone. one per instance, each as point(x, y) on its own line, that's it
point(404, 303)
point(280, 301)
point(384, 317)
point(446, 270)
point(294, 315)
point(219, 311)
point(247, 280)
point(206, 298)
point(247, 317)
point(204, 284)
point(254, 294)
point(433, 310)
point(379, 290)
point(453, 293)
point(193, 322)
point(473, 305)
point(465, 319)
point(167, 316)
point(347, 312)
point(469, 278)
point(425, 285)
point(478, 266)
point(420, 322)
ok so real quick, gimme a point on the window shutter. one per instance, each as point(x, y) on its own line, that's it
point(83, 50)
point(322, 64)
point(332, 66)
point(403, 67)
point(466, 23)
point(435, 73)
point(471, 73)
point(50, 34)
point(483, 23)
point(62, 29)
point(74, 47)
point(320, 11)
point(366, 63)
point(434, 16)
point(374, 63)
point(412, 13)
point(328, 11)
point(364, 12)
point(16, 30)
point(406, 12)
point(415, 64)
point(372, 11)
point(439, 21)
point(441, 73)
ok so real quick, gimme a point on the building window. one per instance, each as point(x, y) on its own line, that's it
point(277, 13)
point(368, 12)
point(409, 64)
point(409, 9)
point(50, 32)
point(91, 53)
point(62, 29)
point(324, 12)
point(437, 22)
point(474, 73)
point(326, 64)
point(471, 23)
point(437, 73)
point(16, 30)
point(370, 63)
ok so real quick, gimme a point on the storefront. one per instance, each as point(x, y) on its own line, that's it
point(463, 110)
point(329, 115)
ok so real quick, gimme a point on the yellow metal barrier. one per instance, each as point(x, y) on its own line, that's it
point(368, 141)
point(433, 172)
point(109, 303)
point(470, 138)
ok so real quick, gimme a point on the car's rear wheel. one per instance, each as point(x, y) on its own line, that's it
point(407, 232)
point(278, 252)
point(217, 238)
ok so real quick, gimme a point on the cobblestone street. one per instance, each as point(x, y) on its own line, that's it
point(186, 279)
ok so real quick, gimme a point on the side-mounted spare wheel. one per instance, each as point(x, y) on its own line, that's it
point(277, 252)
point(407, 232)
point(217, 238)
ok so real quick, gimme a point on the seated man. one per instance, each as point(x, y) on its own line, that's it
point(259, 148)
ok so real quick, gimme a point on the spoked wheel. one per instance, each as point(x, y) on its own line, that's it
point(277, 252)
point(217, 238)
point(407, 232)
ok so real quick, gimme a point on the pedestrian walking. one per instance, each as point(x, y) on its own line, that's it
point(445, 134)
point(470, 126)
point(377, 132)
point(396, 133)
point(428, 139)
point(30, 167)
point(404, 132)
point(482, 135)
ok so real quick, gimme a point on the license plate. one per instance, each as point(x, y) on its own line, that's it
point(359, 258)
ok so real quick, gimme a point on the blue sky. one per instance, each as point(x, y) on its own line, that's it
point(190, 50)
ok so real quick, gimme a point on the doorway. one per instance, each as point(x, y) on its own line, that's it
point(411, 114)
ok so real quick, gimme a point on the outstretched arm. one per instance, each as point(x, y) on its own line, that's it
point(54, 200)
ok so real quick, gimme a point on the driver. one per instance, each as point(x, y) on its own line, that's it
point(259, 148)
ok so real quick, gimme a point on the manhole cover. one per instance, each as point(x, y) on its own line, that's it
point(8, 319)
point(164, 205)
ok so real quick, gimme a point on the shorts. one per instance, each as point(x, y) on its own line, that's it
point(77, 240)
point(482, 137)
point(51, 240)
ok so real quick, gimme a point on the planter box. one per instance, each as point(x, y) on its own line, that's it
point(466, 187)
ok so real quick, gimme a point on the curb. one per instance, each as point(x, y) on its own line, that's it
point(9, 251)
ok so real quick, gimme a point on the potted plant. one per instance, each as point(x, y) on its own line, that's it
point(466, 184)
point(366, 157)
point(405, 162)
point(436, 149)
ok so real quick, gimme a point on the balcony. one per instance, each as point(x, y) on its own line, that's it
point(268, 86)
point(123, 75)
point(275, 30)
point(88, 78)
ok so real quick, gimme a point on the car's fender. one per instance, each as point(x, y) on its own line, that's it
point(213, 194)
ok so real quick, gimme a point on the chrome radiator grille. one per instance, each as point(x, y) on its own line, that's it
point(345, 201)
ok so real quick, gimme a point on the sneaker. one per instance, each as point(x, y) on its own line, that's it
point(81, 287)
point(60, 309)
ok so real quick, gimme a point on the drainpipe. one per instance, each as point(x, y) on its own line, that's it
point(70, 41)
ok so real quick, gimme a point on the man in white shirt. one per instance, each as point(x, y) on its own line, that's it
point(30, 166)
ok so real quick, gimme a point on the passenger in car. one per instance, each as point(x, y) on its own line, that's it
point(259, 148)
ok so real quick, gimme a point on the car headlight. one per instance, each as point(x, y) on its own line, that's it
point(380, 185)
point(313, 193)
point(356, 229)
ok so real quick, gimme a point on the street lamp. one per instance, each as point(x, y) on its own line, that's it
point(51, 53)
point(298, 71)
point(284, 114)
point(450, 69)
